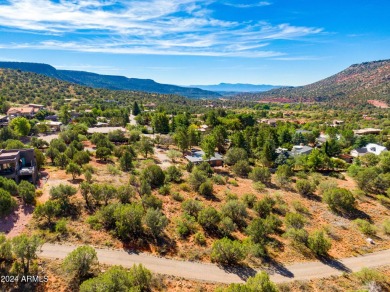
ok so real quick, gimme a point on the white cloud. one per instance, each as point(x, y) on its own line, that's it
point(166, 27)
point(241, 5)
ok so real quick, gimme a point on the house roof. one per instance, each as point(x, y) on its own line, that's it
point(302, 131)
point(375, 147)
point(298, 150)
point(367, 131)
point(105, 130)
point(22, 110)
point(197, 156)
point(360, 150)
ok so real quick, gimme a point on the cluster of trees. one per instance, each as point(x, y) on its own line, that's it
point(21, 252)
point(9, 189)
point(372, 173)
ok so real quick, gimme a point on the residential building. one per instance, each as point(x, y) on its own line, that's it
point(271, 122)
point(197, 157)
point(3, 121)
point(369, 148)
point(300, 150)
point(23, 111)
point(54, 126)
point(367, 131)
point(18, 164)
point(104, 130)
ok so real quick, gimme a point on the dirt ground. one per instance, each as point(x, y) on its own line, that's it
point(15, 223)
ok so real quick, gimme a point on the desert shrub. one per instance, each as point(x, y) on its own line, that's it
point(273, 223)
point(206, 168)
point(119, 279)
point(192, 207)
point(297, 236)
point(206, 189)
point(209, 218)
point(230, 196)
point(27, 192)
point(386, 226)
point(81, 157)
point(177, 197)
point(154, 175)
point(339, 200)
point(227, 226)
point(235, 210)
point(226, 251)
point(264, 206)
point(258, 231)
point(185, 187)
point(5, 248)
point(151, 201)
point(283, 175)
point(259, 283)
point(185, 225)
point(259, 186)
point(353, 170)
point(196, 178)
point(241, 168)
point(304, 187)
point(260, 174)
point(365, 227)
point(301, 175)
point(94, 222)
point(61, 226)
point(234, 155)
point(128, 220)
point(7, 203)
point(125, 193)
point(164, 190)
point(219, 180)
point(173, 174)
point(249, 200)
point(297, 205)
point(8, 185)
point(384, 200)
point(81, 261)
point(233, 182)
point(319, 243)
point(200, 238)
point(294, 220)
point(326, 185)
point(367, 275)
point(155, 222)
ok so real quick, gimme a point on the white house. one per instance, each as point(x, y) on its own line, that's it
point(370, 148)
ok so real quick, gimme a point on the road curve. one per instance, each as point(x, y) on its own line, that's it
point(213, 273)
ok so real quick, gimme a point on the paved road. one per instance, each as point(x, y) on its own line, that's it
point(213, 273)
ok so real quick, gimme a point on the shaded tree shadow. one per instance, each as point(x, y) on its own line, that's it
point(278, 268)
point(244, 272)
point(331, 262)
point(358, 214)
point(76, 181)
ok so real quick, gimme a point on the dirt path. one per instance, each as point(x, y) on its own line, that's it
point(162, 156)
point(213, 273)
point(13, 224)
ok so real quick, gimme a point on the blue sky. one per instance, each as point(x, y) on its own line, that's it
point(287, 42)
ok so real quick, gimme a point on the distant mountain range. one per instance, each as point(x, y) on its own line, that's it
point(237, 87)
point(109, 81)
point(356, 84)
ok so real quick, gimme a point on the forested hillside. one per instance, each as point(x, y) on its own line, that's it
point(354, 85)
point(109, 81)
point(24, 87)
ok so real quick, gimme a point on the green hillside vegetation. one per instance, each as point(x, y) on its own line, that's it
point(356, 84)
point(24, 87)
point(108, 81)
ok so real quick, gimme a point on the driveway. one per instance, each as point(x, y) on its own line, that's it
point(213, 273)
